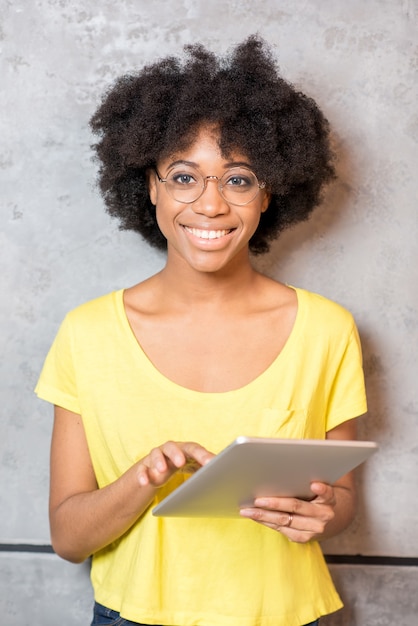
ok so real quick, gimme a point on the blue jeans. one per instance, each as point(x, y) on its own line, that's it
point(107, 617)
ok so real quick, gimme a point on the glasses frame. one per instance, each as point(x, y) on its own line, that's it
point(260, 186)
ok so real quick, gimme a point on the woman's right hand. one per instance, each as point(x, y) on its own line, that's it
point(85, 518)
point(162, 462)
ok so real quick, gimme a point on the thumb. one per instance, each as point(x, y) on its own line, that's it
point(321, 490)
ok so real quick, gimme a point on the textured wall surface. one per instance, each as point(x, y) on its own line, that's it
point(59, 593)
point(58, 248)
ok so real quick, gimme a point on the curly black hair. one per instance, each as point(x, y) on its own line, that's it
point(158, 111)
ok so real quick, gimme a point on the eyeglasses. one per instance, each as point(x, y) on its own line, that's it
point(238, 185)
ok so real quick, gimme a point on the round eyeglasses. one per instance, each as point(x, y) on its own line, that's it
point(238, 185)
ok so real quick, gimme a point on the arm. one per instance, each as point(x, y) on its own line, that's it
point(84, 518)
point(330, 512)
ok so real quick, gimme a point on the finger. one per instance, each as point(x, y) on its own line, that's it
point(159, 464)
point(273, 519)
point(186, 453)
point(288, 505)
point(294, 532)
point(147, 475)
point(173, 453)
point(324, 493)
point(158, 460)
point(142, 475)
point(285, 521)
point(171, 456)
point(195, 453)
point(318, 511)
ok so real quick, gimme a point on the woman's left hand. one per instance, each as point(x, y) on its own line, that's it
point(330, 511)
point(299, 520)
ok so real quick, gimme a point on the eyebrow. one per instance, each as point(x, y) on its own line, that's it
point(196, 165)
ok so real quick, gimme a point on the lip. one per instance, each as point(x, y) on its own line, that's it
point(208, 233)
point(208, 236)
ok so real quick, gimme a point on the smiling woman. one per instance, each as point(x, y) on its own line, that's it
point(209, 159)
point(217, 202)
point(158, 112)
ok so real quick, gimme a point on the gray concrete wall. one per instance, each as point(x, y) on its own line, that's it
point(58, 248)
point(58, 593)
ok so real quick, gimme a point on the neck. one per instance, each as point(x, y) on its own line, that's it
point(184, 284)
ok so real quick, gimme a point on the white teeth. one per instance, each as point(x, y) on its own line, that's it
point(207, 234)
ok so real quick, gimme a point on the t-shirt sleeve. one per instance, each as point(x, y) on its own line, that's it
point(57, 383)
point(347, 398)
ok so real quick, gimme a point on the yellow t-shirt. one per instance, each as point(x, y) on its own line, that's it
point(205, 572)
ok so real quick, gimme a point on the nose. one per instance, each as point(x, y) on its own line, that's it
point(211, 202)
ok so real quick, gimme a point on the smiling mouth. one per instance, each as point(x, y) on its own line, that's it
point(208, 234)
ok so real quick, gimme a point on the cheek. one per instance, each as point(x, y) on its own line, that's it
point(165, 219)
point(256, 223)
point(160, 219)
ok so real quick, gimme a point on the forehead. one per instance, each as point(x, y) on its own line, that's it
point(202, 147)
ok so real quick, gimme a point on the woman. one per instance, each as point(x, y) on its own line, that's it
point(210, 159)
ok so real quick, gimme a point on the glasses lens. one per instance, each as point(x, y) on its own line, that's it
point(239, 185)
point(185, 184)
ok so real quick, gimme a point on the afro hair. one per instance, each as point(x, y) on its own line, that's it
point(158, 111)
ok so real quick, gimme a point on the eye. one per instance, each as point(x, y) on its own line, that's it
point(183, 178)
point(238, 181)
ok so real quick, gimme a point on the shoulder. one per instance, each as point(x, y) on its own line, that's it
point(97, 311)
point(323, 312)
point(328, 329)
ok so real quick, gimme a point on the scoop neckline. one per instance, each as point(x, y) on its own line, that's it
point(169, 384)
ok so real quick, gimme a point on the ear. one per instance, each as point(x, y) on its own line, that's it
point(152, 185)
point(266, 201)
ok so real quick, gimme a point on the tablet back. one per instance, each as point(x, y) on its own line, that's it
point(251, 467)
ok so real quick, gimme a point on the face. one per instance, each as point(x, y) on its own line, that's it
point(210, 232)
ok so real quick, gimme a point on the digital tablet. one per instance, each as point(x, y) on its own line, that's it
point(254, 467)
